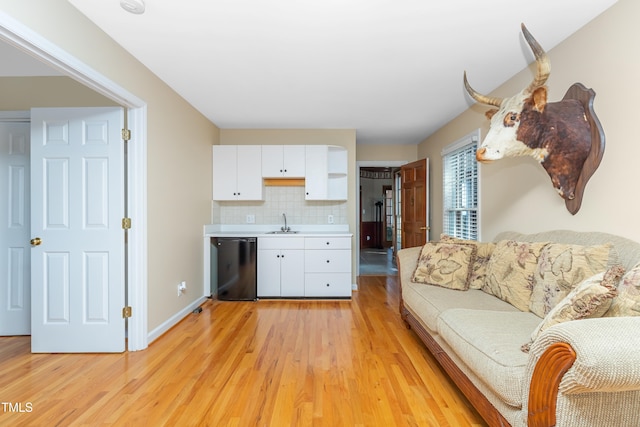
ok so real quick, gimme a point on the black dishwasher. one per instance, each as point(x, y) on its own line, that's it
point(233, 268)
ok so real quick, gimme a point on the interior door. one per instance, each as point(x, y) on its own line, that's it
point(15, 291)
point(415, 208)
point(77, 254)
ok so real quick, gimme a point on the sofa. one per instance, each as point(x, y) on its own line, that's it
point(518, 361)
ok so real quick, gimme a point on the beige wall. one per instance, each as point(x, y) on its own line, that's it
point(23, 93)
point(392, 152)
point(516, 193)
point(178, 152)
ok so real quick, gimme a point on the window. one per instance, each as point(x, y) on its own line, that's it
point(460, 188)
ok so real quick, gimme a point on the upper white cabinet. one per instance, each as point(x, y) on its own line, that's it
point(237, 172)
point(326, 177)
point(286, 161)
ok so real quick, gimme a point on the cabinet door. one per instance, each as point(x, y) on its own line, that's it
point(272, 158)
point(224, 172)
point(292, 273)
point(316, 178)
point(249, 173)
point(294, 161)
point(268, 273)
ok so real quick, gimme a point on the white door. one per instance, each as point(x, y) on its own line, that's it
point(15, 295)
point(77, 254)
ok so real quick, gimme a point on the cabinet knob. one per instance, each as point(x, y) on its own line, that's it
point(328, 285)
point(328, 243)
point(327, 261)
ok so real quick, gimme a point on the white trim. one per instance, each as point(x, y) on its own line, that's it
point(17, 34)
point(467, 139)
point(175, 319)
point(137, 156)
point(25, 39)
point(23, 116)
point(371, 164)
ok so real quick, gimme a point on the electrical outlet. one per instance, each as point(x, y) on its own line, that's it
point(251, 219)
point(330, 219)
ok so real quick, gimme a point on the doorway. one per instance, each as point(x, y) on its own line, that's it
point(25, 40)
point(377, 207)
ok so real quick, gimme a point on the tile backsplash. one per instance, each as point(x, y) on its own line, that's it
point(279, 200)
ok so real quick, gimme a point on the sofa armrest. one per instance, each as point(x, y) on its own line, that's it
point(596, 357)
point(607, 356)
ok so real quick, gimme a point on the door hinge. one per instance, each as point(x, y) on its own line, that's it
point(126, 134)
point(126, 312)
point(126, 223)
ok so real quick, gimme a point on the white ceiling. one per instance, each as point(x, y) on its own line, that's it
point(392, 70)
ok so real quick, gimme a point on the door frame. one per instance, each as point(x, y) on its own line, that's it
point(361, 164)
point(23, 38)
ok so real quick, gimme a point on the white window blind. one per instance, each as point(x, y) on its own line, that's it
point(460, 188)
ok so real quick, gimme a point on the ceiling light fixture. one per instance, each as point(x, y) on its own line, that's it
point(133, 6)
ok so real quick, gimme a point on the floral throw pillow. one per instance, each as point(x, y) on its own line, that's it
point(560, 268)
point(479, 266)
point(445, 264)
point(627, 303)
point(590, 299)
point(510, 271)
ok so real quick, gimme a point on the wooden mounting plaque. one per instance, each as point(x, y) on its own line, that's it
point(585, 96)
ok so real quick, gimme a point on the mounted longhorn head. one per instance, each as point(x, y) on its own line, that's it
point(556, 134)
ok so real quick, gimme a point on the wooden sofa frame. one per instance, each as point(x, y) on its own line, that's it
point(543, 392)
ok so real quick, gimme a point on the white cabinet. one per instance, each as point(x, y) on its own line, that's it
point(286, 161)
point(326, 173)
point(280, 267)
point(237, 172)
point(327, 264)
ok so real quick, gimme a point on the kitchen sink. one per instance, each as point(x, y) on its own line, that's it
point(282, 232)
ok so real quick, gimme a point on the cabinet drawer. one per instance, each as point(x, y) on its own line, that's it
point(335, 261)
point(327, 285)
point(280, 243)
point(327, 243)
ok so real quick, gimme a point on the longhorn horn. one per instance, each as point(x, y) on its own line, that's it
point(542, 61)
point(483, 99)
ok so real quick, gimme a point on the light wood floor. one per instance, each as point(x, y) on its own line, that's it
point(265, 363)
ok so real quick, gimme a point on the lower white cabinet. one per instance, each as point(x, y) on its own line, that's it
point(327, 267)
point(280, 267)
point(312, 267)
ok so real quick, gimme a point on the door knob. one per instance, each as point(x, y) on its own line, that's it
point(36, 242)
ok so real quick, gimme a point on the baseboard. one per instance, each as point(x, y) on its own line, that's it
point(174, 320)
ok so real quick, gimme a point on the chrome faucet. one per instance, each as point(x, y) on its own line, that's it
point(285, 228)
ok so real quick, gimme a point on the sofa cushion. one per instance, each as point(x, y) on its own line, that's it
point(560, 268)
point(445, 264)
point(428, 302)
point(489, 344)
point(510, 271)
point(627, 303)
point(479, 266)
point(591, 298)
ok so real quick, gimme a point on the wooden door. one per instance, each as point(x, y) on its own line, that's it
point(415, 227)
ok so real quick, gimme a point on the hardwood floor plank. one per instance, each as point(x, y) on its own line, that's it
point(266, 363)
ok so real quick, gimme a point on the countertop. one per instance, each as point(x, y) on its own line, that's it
point(252, 230)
